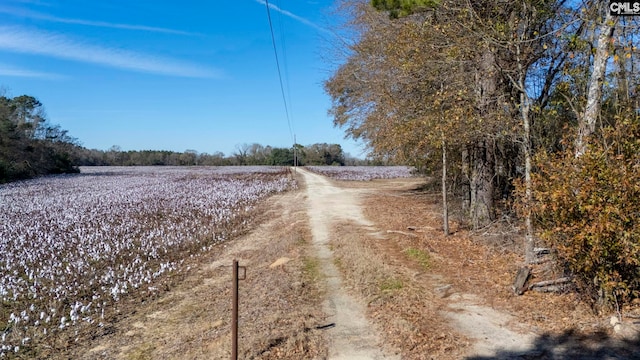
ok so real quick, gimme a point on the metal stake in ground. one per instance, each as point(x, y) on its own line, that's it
point(234, 310)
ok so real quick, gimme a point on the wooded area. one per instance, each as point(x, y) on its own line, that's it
point(529, 105)
point(29, 145)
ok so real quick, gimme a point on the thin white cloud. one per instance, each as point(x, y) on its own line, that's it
point(295, 17)
point(40, 16)
point(33, 2)
point(14, 71)
point(36, 42)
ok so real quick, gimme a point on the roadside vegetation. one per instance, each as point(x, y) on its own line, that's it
point(467, 275)
point(526, 111)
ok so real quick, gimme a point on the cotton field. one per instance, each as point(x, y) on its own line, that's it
point(73, 246)
point(363, 173)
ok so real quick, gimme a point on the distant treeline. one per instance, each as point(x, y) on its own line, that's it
point(245, 154)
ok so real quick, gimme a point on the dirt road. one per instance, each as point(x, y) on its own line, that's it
point(353, 336)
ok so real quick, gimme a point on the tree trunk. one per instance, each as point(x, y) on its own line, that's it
point(481, 184)
point(482, 153)
point(528, 238)
point(525, 107)
point(466, 188)
point(445, 206)
point(486, 82)
point(587, 124)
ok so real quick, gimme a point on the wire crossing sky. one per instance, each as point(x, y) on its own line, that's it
point(275, 53)
point(163, 75)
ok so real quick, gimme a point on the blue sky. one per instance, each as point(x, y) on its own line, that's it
point(173, 75)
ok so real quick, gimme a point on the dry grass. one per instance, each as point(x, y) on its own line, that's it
point(279, 307)
point(407, 311)
point(397, 274)
point(471, 265)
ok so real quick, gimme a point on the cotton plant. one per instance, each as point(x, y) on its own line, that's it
point(71, 246)
point(363, 173)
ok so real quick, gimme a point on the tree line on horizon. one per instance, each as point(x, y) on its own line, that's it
point(244, 154)
point(526, 109)
point(30, 146)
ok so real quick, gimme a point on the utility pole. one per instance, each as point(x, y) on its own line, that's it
point(295, 153)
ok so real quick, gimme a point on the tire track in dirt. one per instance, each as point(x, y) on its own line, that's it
point(353, 337)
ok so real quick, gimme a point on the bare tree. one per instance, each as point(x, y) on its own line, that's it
point(587, 122)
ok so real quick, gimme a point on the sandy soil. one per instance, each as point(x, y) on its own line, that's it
point(353, 336)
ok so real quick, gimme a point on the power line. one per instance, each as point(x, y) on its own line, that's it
point(275, 51)
point(283, 47)
point(287, 85)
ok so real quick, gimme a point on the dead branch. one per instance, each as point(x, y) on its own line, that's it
point(420, 229)
point(550, 288)
point(401, 232)
point(521, 279)
point(541, 251)
point(539, 261)
point(541, 284)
